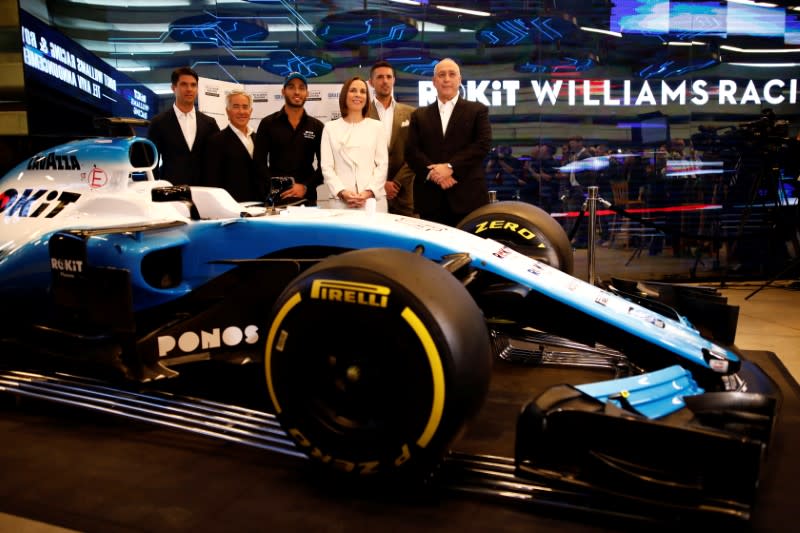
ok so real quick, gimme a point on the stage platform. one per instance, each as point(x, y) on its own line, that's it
point(91, 471)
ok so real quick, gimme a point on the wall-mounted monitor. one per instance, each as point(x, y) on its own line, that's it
point(652, 129)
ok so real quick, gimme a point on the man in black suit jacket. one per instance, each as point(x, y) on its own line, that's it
point(229, 162)
point(448, 166)
point(181, 132)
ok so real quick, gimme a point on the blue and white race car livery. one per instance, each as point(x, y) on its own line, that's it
point(376, 331)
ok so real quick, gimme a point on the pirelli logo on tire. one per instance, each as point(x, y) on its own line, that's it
point(351, 292)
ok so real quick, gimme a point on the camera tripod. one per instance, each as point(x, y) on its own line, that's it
point(787, 225)
point(795, 243)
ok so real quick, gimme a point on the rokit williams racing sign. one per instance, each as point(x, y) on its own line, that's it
point(627, 93)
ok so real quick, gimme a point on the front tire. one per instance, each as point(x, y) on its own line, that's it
point(375, 360)
point(525, 228)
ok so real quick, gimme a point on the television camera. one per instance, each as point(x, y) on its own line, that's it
point(755, 155)
point(760, 164)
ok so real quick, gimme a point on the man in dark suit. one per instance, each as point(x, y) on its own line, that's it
point(180, 133)
point(448, 141)
point(396, 119)
point(230, 164)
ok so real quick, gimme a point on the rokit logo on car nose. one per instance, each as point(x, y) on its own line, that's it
point(191, 341)
point(66, 265)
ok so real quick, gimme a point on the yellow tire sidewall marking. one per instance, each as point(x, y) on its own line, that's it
point(437, 375)
point(273, 330)
point(428, 345)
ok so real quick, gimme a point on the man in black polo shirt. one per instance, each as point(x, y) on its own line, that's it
point(288, 142)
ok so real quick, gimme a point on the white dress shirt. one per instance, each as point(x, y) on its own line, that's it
point(188, 124)
point(386, 116)
point(246, 138)
point(446, 111)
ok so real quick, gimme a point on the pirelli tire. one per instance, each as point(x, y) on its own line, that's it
point(375, 360)
point(525, 228)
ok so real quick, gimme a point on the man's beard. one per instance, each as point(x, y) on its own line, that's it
point(290, 103)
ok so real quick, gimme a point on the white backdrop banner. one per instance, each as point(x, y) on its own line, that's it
point(322, 102)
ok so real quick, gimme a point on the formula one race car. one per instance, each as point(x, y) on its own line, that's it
point(377, 332)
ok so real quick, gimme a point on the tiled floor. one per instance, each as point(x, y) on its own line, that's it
point(770, 321)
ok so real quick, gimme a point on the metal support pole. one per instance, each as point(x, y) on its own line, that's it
point(590, 245)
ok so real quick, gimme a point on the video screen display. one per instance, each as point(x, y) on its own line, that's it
point(640, 16)
point(756, 21)
point(662, 17)
point(56, 61)
point(697, 18)
point(792, 35)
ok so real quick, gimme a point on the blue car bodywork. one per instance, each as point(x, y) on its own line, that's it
point(99, 259)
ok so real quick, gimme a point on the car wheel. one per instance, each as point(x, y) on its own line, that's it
point(375, 360)
point(524, 227)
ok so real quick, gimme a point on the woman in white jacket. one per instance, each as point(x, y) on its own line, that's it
point(354, 154)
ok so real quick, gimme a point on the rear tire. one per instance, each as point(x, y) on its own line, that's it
point(375, 360)
point(525, 228)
